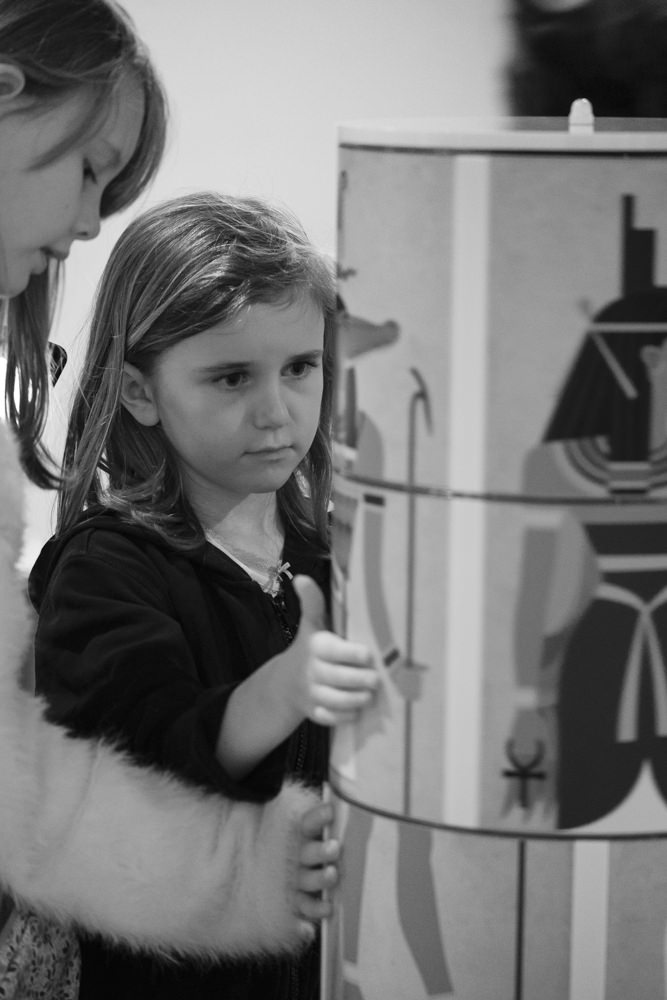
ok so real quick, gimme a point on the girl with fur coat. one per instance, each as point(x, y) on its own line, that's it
point(87, 836)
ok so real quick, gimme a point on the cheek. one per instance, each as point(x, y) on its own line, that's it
point(16, 221)
point(319, 398)
point(16, 256)
point(173, 417)
point(314, 410)
point(60, 179)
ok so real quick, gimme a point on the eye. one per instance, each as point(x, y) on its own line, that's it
point(232, 380)
point(301, 368)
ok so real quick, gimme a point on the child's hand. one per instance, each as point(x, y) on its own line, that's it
point(318, 864)
point(319, 676)
point(340, 679)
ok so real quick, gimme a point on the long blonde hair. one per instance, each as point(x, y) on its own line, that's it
point(178, 270)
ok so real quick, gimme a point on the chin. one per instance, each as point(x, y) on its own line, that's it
point(12, 286)
point(14, 279)
point(271, 482)
point(274, 484)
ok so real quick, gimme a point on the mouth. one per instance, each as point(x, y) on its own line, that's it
point(272, 453)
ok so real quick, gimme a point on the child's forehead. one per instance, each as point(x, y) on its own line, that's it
point(258, 329)
point(292, 307)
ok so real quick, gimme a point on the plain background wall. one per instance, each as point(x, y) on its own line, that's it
point(256, 90)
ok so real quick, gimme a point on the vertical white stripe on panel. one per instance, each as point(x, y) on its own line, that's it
point(463, 642)
point(590, 916)
point(469, 323)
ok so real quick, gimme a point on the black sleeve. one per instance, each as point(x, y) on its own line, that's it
point(112, 659)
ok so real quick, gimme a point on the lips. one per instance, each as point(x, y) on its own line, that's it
point(280, 452)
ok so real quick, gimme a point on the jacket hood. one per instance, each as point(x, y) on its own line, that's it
point(106, 520)
point(307, 562)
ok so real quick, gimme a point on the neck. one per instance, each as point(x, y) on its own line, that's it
point(251, 528)
point(256, 512)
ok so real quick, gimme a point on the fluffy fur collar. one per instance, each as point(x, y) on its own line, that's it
point(93, 840)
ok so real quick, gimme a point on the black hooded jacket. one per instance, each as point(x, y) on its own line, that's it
point(144, 644)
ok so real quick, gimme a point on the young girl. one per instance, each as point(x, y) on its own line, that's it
point(84, 835)
point(197, 472)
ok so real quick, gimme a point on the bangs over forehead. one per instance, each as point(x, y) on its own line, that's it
point(145, 161)
point(193, 262)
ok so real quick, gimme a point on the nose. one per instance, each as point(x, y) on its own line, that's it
point(88, 223)
point(271, 409)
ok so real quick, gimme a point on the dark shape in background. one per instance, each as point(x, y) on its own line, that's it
point(613, 52)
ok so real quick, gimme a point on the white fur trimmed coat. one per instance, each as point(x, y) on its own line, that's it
point(90, 839)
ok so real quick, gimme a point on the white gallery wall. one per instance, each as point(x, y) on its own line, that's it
point(256, 90)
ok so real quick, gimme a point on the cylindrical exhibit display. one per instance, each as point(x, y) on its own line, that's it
point(500, 543)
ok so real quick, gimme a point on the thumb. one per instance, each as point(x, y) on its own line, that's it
point(313, 608)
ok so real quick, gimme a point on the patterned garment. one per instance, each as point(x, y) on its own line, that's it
point(39, 960)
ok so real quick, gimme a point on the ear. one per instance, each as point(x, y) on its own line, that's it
point(12, 81)
point(137, 397)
